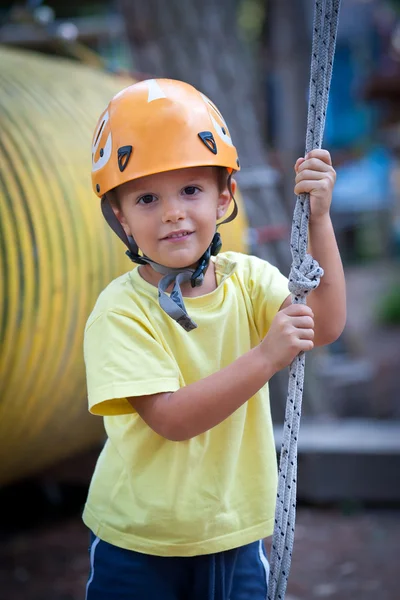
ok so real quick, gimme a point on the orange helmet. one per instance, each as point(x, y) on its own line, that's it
point(154, 126)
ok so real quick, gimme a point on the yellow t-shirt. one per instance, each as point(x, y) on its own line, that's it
point(217, 490)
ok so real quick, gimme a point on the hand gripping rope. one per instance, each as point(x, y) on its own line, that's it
point(304, 276)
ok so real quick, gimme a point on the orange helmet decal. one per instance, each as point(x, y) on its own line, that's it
point(155, 91)
point(154, 126)
point(220, 127)
point(101, 156)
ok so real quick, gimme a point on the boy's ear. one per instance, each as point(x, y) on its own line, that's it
point(120, 216)
point(225, 199)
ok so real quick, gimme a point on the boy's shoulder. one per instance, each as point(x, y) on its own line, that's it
point(257, 276)
point(245, 265)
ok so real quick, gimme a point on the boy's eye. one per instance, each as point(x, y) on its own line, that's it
point(190, 190)
point(146, 199)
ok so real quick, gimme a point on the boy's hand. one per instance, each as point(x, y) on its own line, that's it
point(315, 175)
point(291, 332)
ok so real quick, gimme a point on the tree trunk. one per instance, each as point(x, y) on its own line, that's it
point(288, 51)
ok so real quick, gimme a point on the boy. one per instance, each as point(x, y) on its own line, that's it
point(184, 489)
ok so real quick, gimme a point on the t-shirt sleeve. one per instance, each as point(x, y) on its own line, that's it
point(268, 289)
point(123, 359)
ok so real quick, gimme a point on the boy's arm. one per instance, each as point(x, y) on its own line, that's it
point(198, 407)
point(315, 175)
point(194, 409)
point(328, 300)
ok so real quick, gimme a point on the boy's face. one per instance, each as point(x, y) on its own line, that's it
point(172, 216)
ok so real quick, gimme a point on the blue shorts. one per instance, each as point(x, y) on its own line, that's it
point(119, 574)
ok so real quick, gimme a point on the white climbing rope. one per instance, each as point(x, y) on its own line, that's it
point(304, 276)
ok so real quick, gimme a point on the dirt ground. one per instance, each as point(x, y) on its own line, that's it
point(337, 556)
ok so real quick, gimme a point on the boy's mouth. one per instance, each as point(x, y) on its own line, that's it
point(176, 235)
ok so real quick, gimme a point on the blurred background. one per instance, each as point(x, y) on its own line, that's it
point(60, 63)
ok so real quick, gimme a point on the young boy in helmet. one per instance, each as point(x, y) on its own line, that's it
point(179, 353)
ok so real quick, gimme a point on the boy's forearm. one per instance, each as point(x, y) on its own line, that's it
point(328, 301)
point(198, 407)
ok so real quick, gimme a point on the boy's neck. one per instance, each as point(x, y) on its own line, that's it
point(209, 283)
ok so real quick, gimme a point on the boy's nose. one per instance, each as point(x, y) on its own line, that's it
point(173, 211)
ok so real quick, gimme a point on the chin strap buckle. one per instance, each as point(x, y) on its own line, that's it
point(214, 248)
point(198, 276)
point(136, 258)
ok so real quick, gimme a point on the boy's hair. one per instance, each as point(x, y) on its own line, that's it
point(222, 179)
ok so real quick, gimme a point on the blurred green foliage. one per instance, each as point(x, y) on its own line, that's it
point(389, 308)
point(251, 16)
point(395, 4)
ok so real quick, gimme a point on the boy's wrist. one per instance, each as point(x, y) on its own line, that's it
point(263, 363)
point(320, 220)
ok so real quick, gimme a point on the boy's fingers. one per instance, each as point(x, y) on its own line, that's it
point(312, 186)
point(323, 155)
point(298, 310)
point(304, 322)
point(309, 174)
point(306, 334)
point(298, 163)
point(314, 164)
point(306, 345)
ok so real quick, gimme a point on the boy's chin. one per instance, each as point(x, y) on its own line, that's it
point(179, 262)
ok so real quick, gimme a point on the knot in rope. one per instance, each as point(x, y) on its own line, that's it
point(304, 277)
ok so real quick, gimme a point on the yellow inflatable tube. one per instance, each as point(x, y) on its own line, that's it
point(56, 253)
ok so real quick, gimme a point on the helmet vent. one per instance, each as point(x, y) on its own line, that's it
point(124, 154)
point(208, 139)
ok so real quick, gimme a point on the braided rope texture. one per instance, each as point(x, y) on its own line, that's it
point(304, 276)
